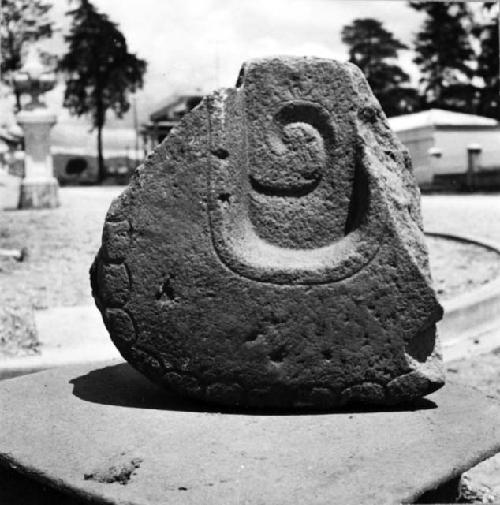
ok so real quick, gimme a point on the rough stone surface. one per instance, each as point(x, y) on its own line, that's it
point(108, 435)
point(270, 252)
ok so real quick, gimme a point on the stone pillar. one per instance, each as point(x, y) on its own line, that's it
point(473, 162)
point(39, 188)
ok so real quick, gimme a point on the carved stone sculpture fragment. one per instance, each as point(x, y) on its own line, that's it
point(270, 252)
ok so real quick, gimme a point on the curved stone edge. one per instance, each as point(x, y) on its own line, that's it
point(471, 320)
point(466, 239)
point(433, 484)
point(43, 482)
point(403, 389)
point(405, 494)
point(109, 271)
point(110, 287)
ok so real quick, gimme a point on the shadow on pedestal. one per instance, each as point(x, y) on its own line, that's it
point(68, 434)
point(121, 385)
point(18, 489)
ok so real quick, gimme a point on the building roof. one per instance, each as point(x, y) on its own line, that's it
point(438, 117)
point(175, 107)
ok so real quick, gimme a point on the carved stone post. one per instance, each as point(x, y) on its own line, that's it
point(39, 188)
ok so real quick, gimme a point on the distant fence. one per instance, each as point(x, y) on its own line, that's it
point(485, 179)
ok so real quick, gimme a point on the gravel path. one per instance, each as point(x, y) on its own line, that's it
point(61, 244)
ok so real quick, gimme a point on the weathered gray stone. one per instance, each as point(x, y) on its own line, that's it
point(108, 435)
point(270, 252)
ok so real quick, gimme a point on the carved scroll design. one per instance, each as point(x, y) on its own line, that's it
point(234, 236)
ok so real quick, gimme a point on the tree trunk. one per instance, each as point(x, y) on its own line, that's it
point(18, 100)
point(101, 169)
point(100, 119)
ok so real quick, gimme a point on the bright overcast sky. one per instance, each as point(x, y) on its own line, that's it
point(200, 44)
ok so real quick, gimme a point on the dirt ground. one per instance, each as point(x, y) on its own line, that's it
point(457, 267)
point(61, 244)
point(476, 214)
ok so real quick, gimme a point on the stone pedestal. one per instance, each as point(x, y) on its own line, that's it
point(102, 433)
point(39, 188)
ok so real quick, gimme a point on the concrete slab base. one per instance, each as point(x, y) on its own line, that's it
point(39, 195)
point(107, 434)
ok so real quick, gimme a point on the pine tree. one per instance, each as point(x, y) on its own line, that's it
point(488, 64)
point(374, 50)
point(21, 21)
point(445, 56)
point(99, 70)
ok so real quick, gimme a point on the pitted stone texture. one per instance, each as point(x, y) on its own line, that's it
point(270, 253)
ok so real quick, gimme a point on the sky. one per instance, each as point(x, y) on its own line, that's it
point(199, 45)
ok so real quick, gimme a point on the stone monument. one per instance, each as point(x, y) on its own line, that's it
point(39, 187)
point(270, 252)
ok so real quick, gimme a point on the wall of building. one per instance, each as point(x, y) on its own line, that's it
point(418, 142)
point(453, 144)
point(74, 169)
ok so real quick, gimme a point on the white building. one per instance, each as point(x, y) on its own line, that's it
point(74, 149)
point(438, 141)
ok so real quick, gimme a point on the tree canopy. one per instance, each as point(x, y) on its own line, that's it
point(100, 72)
point(445, 56)
point(374, 50)
point(21, 21)
point(488, 64)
